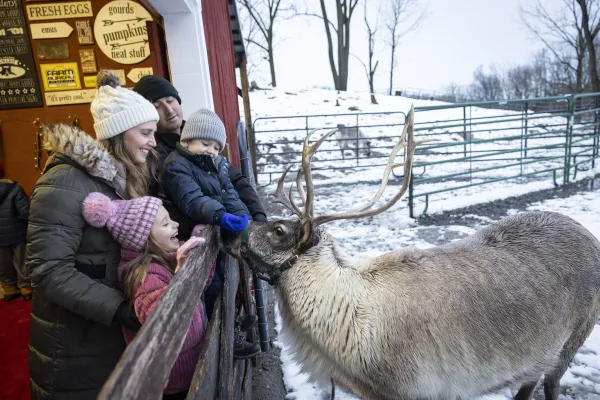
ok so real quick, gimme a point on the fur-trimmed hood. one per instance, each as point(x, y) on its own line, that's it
point(85, 151)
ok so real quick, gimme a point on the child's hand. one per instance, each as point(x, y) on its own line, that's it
point(233, 223)
point(183, 251)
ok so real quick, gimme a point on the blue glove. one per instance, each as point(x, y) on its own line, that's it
point(233, 223)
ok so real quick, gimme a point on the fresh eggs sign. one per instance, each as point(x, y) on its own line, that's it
point(121, 33)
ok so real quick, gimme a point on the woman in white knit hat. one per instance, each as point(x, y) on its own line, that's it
point(77, 310)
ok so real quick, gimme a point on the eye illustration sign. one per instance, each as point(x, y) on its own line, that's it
point(61, 76)
point(121, 33)
point(19, 85)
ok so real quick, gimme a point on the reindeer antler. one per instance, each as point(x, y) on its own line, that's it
point(280, 196)
point(306, 215)
point(410, 144)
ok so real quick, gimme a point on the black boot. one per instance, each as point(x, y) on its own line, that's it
point(246, 322)
point(241, 348)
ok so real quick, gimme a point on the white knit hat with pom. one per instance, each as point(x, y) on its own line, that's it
point(116, 109)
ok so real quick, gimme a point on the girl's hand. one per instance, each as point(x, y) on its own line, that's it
point(183, 251)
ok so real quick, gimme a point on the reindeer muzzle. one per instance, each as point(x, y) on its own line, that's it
point(263, 270)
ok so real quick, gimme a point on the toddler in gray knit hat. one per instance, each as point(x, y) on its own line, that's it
point(196, 178)
point(204, 133)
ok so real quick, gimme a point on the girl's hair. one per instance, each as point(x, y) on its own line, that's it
point(135, 271)
point(138, 175)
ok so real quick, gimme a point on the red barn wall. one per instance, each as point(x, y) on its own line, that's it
point(221, 62)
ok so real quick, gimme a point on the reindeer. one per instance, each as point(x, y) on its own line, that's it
point(352, 138)
point(501, 308)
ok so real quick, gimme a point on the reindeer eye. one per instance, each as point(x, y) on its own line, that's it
point(278, 231)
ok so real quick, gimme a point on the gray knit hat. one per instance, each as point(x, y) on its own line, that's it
point(116, 109)
point(204, 124)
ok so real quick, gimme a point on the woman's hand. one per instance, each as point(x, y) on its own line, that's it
point(183, 251)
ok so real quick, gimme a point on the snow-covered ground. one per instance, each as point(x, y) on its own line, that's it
point(346, 188)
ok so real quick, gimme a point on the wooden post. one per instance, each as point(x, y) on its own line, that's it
point(248, 114)
point(239, 371)
point(206, 376)
point(226, 378)
point(144, 368)
point(246, 286)
point(247, 386)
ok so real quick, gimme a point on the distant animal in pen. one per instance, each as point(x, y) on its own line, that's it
point(352, 138)
point(504, 307)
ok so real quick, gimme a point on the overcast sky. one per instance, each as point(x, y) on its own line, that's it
point(455, 37)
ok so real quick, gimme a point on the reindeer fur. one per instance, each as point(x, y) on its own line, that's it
point(501, 308)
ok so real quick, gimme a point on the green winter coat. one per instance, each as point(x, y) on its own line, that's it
point(74, 343)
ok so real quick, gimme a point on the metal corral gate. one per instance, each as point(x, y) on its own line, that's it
point(278, 141)
point(478, 143)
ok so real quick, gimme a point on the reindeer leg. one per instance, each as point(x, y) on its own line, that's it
point(552, 378)
point(526, 391)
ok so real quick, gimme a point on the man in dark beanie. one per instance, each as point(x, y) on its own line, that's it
point(165, 98)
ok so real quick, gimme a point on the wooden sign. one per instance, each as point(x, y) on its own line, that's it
point(51, 30)
point(121, 33)
point(78, 9)
point(52, 51)
point(70, 97)
point(60, 76)
point(84, 32)
point(19, 85)
point(137, 73)
point(89, 81)
point(88, 61)
point(121, 74)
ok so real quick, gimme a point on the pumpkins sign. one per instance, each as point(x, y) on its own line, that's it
point(121, 33)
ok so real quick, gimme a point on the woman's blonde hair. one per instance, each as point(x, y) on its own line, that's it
point(138, 175)
point(136, 270)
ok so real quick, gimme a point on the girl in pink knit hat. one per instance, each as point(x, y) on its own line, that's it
point(151, 255)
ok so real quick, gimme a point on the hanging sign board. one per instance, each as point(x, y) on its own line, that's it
point(19, 85)
point(70, 97)
point(89, 81)
point(84, 32)
point(88, 61)
point(60, 76)
point(121, 33)
point(52, 51)
point(51, 30)
point(137, 73)
point(44, 11)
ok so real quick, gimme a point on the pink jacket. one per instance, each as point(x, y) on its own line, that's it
point(147, 297)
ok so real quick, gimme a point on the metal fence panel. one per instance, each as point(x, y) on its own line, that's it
point(477, 143)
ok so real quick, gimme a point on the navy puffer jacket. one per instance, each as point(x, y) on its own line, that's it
point(201, 191)
point(14, 212)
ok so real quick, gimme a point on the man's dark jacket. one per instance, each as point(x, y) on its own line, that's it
point(165, 145)
point(199, 188)
point(14, 212)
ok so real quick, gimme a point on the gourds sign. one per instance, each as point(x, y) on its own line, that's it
point(121, 33)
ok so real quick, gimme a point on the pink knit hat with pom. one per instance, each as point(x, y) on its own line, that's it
point(128, 221)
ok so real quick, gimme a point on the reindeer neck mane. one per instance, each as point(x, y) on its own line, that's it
point(322, 300)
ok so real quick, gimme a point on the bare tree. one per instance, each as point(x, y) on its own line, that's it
point(591, 27)
point(370, 68)
point(398, 13)
point(344, 11)
point(563, 35)
point(487, 86)
point(263, 15)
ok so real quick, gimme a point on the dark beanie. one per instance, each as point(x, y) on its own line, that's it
point(155, 88)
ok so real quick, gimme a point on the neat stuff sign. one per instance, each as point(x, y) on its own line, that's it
point(121, 33)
